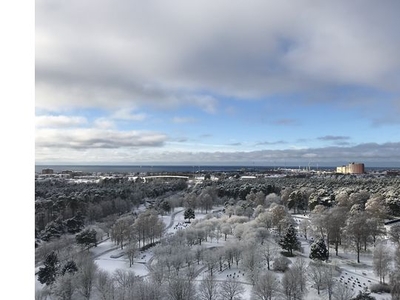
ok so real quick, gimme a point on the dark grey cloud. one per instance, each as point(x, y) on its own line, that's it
point(369, 153)
point(333, 138)
point(98, 54)
point(267, 143)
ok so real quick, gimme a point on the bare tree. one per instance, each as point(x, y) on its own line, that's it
point(382, 261)
point(262, 234)
point(336, 220)
point(329, 280)
point(356, 231)
point(267, 287)
point(210, 260)
point(278, 215)
point(394, 233)
point(342, 292)
point(157, 272)
point(226, 229)
point(105, 285)
point(124, 281)
point(87, 272)
point(231, 289)
point(395, 285)
point(397, 258)
point(268, 252)
point(252, 263)
point(180, 288)
point(144, 290)
point(208, 288)
point(315, 274)
point(291, 284)
point(65, 287)
point(120, 231)
point(131, 251)
point(304, 227)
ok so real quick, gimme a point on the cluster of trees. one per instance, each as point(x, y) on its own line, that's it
point(63, 207)
point(142, 230)
point(346, 213)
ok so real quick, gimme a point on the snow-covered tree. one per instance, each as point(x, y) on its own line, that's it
point(87, 238)
point(189, 214)
point(315, 274)
point(267, 287)
point(86, 275)
point(104, 284)
point(292, 284)
point(356, 231)
point(394, 233)
point(289, 241)
point(318, 250)
point(208, 288)
point(382, 261)
point(65, 287)
point(180, 288)
point(342, 292)
point(281, 264)
point(47, 274)
point(231, 289)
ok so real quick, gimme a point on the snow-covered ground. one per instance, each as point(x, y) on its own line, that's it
point(356, 276)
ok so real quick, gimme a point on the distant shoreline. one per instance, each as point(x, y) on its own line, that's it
point(182, 168)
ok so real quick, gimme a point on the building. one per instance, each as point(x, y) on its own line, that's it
point(352, 168)
point(47, 171)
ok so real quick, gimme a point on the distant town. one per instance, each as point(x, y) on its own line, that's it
point(199, 174)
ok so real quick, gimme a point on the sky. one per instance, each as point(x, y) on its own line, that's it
point(217, 82)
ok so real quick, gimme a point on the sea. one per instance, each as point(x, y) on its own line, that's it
point(148, 168)
point(133, 169)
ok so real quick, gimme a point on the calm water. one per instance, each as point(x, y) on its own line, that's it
point(134, 169)
point(171, 169)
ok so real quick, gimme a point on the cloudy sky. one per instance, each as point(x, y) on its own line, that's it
point(217, 82)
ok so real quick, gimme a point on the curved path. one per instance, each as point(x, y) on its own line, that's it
point(173, 219)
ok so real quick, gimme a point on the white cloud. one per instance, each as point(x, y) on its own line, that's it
point(96, 138)
point(129, 115)
point(59, 121)
point(104, 123)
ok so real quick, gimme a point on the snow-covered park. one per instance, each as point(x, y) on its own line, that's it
point(351, 275)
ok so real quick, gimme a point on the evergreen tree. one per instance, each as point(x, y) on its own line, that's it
point(289, 241)
point(319, 251)
point(47, 274)
point(75, 224)
point(189, 214)
point(165, 206)
point(87, 238)
point(69, 267)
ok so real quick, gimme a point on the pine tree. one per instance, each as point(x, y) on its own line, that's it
point(69, 267)
point(87, 238)
point(319, 250)
point(289, 241)
point(47, 274)
point(189, 214)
